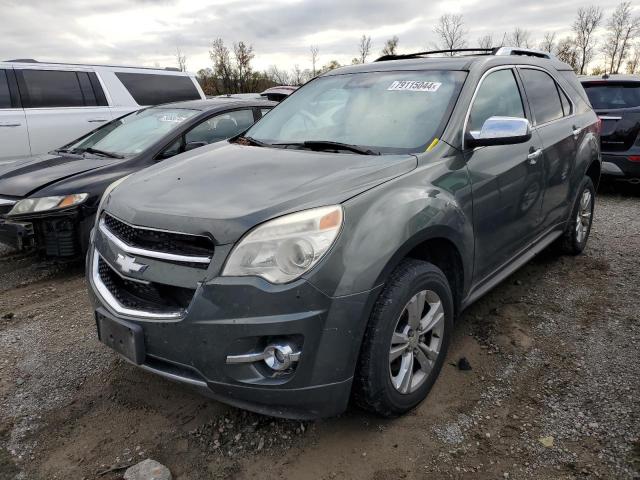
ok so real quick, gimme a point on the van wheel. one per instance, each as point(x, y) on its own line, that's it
point(577, 232)
point(406, 340)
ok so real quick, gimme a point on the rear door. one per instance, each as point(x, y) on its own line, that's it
point(556, 124)
point(506, 180)
point(60, 105)
point(14, 136)
point(617, 103)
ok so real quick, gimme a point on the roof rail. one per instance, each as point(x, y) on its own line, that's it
point(481, 51)
point(531, 52)
point(22, 60)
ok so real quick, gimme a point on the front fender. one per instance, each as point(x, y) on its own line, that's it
point(383, 224)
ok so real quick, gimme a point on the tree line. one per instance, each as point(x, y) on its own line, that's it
point(232, 72)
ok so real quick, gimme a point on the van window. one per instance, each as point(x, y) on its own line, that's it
point(153, 88)
point(5, 95)
point(542, 94)
point(50, 88)
point(497, 96)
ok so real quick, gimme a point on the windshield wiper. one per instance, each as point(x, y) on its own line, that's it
point(96, 151)
point(329, 145)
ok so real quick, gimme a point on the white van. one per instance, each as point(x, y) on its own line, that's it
point(46, 105)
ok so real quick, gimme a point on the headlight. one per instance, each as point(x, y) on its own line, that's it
point(282, 249)
point(30, 205)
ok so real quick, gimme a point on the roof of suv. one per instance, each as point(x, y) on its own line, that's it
point(609, 78)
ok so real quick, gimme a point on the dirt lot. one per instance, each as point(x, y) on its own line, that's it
point(554, 389)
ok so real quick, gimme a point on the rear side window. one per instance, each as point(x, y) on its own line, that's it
point(497, 96)
point(50, 88)
point(543, 95)
point(566, 104)
point(613, 95)
point(5, 94)
point(153, 89)
point(221, 127)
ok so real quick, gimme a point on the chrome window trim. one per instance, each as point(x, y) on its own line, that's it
point(113, 303)
point(150, 253)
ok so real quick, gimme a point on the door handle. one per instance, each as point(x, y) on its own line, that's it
point(533, 156)
point(10, 125)
point(97, 120)
point(576, 131)
point(606, 117)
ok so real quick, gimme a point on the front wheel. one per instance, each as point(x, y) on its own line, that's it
point(575, 237)
point(406, 340)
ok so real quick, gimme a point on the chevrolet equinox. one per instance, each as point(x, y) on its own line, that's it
point(323, 254)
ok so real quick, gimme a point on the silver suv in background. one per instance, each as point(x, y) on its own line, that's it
point(46, 105)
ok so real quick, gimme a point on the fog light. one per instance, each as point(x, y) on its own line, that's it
point(277, 356)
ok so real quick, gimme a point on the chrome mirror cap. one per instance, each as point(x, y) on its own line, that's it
point(501, 131)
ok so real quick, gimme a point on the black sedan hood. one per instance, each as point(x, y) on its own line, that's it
point(226, 189)
point(25, 176)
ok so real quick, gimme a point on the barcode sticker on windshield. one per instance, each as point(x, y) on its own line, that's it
point(412, 86)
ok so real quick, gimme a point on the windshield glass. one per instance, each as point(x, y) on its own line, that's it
point(610, 95)
point(133, 133)
point(388, 112)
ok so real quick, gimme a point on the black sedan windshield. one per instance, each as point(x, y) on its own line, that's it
point(133, 133)
point(387, 112)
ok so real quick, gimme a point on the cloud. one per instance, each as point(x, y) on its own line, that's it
point(147, 32)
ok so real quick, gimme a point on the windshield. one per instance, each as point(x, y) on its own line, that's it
point(388, 112)
point(133, 133)
point(610, 95)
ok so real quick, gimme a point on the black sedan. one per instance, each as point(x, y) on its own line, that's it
point(49, 201)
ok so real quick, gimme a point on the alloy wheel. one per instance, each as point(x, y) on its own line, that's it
point(416, 341)
point(583, 220)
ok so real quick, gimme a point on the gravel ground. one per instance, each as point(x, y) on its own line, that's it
point(553, 390)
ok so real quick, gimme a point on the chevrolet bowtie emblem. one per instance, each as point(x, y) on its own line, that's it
point(128, 264)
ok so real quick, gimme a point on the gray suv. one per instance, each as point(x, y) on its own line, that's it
point(324, 254)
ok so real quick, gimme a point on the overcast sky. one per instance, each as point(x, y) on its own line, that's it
point(147, 32)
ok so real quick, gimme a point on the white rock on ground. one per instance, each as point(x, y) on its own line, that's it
point(148, 470)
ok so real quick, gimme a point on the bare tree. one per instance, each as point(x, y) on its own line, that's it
point(333, 64)
point(585, 24)
point(364, 47)
point(486, 41)
point(298, 76)
point(598, 70)
point(567, 52)
point(181, 60)
point(281, 77)
point(390, 46)
point(622, 28)
point(633, 64)
point(548, 44)
point(243, 54)
point(451, 32)
point(519, 37)
point(222, 69)
point(314, 58)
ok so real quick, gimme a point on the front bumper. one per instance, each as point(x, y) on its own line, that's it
point(619, 166)
point(236, 316)
point(19, 235)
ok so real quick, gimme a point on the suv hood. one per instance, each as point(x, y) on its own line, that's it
point(226, 189)
point(24, 176)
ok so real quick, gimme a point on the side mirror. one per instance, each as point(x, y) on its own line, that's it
point(194, 145)
point(500, 131)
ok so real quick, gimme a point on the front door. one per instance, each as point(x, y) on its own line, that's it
point(14, 136)
point(506, 180)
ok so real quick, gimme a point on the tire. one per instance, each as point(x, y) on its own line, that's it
point(574, 239)
point(381, 385)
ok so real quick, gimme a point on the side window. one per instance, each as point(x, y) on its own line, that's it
point(220, 127)
point(5, 94)
point(87, 89)
point(497, 96)
point(542, 94)
point(566, 104)
point(153, 88)
point(50, 88)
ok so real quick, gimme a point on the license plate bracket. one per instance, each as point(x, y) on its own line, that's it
point(124, 337)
